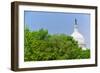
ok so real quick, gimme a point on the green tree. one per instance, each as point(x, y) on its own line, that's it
point(39, 45)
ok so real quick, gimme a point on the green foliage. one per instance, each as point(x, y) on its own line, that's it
point(41, 46)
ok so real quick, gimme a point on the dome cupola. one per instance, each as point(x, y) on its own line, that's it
point(78, 36)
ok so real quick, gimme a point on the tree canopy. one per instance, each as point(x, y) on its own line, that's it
point(39, 45)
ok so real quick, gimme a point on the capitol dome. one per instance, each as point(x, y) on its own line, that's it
point(78, 36)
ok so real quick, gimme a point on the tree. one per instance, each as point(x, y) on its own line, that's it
point(39, 45)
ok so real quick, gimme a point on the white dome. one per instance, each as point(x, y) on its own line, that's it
point(78, 36)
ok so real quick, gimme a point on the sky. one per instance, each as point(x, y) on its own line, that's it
point(58, 22)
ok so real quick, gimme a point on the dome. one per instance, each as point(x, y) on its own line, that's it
point(78, 36)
